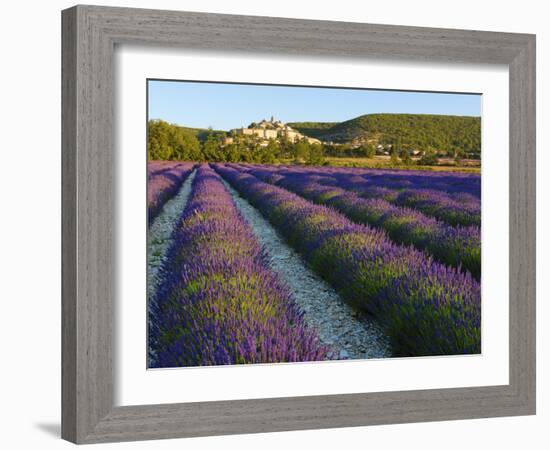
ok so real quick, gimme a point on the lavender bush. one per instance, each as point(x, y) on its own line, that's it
point(460, 210)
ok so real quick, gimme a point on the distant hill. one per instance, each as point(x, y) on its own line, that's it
point(202, 133)
point(316, 130)
point(441, 133)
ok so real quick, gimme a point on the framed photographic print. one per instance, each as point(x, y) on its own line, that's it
point(278, 224)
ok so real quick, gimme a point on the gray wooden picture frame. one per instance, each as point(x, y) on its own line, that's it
point(90, 34)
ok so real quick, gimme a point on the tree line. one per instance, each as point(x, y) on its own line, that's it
point(166, 141)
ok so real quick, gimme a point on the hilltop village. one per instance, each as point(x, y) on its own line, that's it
point(269, 129)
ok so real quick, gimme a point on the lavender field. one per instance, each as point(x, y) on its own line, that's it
point(258, 263)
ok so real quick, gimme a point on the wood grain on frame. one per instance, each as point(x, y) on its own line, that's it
point(89, 37)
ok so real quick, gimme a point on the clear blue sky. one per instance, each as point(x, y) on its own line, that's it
point(227, 106)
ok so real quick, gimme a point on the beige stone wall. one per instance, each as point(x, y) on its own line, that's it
point(292, 136)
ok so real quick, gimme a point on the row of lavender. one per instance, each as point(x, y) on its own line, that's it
point(219, 303)
point(454, 208)
point(156, 166)
point(453, 183)
point(164, 180)
point(452, 203)
point(425, 307)
point(453, 245)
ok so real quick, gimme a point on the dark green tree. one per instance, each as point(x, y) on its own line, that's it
point(170, 142)
point(394, 155)
point(301, 150)
point(272, 151)
point(428, 159)
point(315, 156)
point(369, 151)
point(211, 149)
point(158, 140)
point(405, 157)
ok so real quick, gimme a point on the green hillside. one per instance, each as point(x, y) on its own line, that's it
point(424, 132)
point(202, 133)
point(313, 129)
